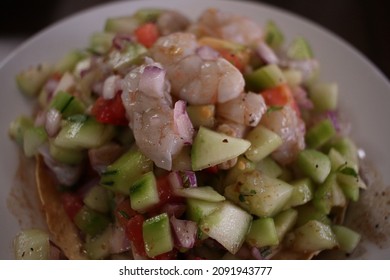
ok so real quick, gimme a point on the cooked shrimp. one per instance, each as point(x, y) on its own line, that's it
point(247, 109)
point(160, 130)
point(290, 127)
point(235, 28)
point(196, 78)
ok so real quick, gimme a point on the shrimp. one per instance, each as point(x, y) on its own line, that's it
point(247, 109)
point(160, 128)
point(290, 127)
point(234, 28)
point(171, 21)
point(196, 78)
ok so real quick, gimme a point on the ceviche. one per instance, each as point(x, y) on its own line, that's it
point(167, 138)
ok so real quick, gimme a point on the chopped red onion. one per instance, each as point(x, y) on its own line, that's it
point(207, 53)
point(102, 156)
point(306, 67)
point(182, 179)
point(40, 118)
point(256, 254)
point(53, 122)
point(119, 242)
point(51, 85)
point(182, 122)
point(152, 81)
point(110, 86)
point(267, 54)
point(185, 232)
point(302, 99)
point(174, 209)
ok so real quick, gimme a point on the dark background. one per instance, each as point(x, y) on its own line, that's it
point(364, 24)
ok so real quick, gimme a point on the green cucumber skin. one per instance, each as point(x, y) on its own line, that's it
point(266, 77)
point(157, 235)
point(314, 164)
point(203, 193)
point(262, 233)
point(91, 222)
point(144, 193)
point(320, 134)
point(30, 81)
point(284, 222)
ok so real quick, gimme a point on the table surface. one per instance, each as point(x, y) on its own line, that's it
point(363, 24)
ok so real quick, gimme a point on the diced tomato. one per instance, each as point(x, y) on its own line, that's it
point(124, 212)
point(280, 96)
point(72, 204)
point(212, 169)
point(110, 111)
point(134, 233)
point(165, 191)
point(147, 34)
point(232, 58)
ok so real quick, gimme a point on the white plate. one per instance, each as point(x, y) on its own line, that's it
point(365, 92)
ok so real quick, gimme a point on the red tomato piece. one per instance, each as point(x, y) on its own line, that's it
point(232, 58)
point(72, 204)
point(147, 34)
point(134, 233)
point(110, 111)
point(124, 212)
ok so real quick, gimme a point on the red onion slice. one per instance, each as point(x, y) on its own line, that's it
point(53, 122)
point(152, 81)
point(110, 86)
point(182, 122)
point(120, 41)
point(267, 54)
point(185, 232)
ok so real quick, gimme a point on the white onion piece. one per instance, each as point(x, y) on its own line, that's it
point(182, 122)
point(266, 53)
point(119, 242)
point(53, 122)
point(152, 81)
point(207, 53)
point(110, 86)
point(185, 232)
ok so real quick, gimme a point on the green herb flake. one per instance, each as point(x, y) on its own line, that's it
point(124, 214)
point(241, 197)
point(274, 109)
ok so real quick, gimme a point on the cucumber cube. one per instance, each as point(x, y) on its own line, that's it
point(284, 222)
point(91, 222)
point(33, 138)
point(32, 244)
point(157, 235)
point(99, 247)
point(31, 81)
point(319, 134)
point(347, 238)
point(324, 96)
point(269, 167)
point(273, 35)
point(198, 209)
point(203, 193)
point(144, 193)
point(302, 192)
point(299, 49)
point(308, 212)
point(18, 127)
point(266, 77)
point(263, 142)
point(211, 148)
point(313, 236)
point(123, 24)
point(97, 198)
point(228, 225)
point(120, 175)
point(262, 233)
point(314, 164)
point(323, 199)
point(65, 155)
point(259, 194)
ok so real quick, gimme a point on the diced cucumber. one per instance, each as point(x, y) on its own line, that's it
point(144, 193)
point(314, 164)
point(242, 165)
point(323, 199)
point(203, 193)
point(121, 59)
point(337, 160)
point(18, 127)
point(303, 190)
point(338, 197)
point(81, 131)
point(346, 238)
point(65, 155)
point(69, 61)
point(299, 49)
point(67, 104)
point(320, 134)
point(124, 24)
point(98, 247)
point(197, 209)
point(211, 148)
point(33, 138)
point(32, 244)
point(157, 235)
point(100, 42)
point(259, 194)
point(202, 115)
point(147, 14)
point(263, 142)
point(91, 222)
point(293, 77)
point(30, 81)
point(350, 185)
point(313, 236)
point(308, 212)
point(285, 222)
point(347, 148)
point(269, 167)
point(120, 175)
point(273, 35)
point(228, 225)
point(262, 233)
point(97, 198)
point(324, 96)
point(268, 76)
